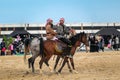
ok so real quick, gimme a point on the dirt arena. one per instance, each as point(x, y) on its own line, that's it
point(90, 66)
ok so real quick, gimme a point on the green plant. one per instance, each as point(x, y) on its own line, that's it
point(8, 41)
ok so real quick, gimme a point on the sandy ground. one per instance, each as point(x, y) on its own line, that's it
point(90, 66)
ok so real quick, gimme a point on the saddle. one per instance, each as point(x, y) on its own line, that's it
point(60, 46)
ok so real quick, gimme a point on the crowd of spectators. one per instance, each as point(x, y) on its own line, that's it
point(16, 47)
point(97, 43)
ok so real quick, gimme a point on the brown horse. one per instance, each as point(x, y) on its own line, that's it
point(76, 41)
point(48, 48)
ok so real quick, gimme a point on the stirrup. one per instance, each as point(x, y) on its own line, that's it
point(69, 45)
point(70, 56)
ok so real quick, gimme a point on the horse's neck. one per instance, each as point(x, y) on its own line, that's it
point(73, 50)
point(75, 47)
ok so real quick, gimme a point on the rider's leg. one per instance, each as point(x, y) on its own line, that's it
point(65, 40)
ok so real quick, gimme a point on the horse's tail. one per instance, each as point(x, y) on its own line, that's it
point(42, 54)
point(24, 57)
point(26, 48)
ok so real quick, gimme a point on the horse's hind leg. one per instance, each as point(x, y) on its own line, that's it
point(46, 62)
point(56, 62)
point(33, 69)
point(40, 65)
point(31, 63)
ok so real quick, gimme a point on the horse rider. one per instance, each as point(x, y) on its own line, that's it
point(50, 33)
point(62, 31)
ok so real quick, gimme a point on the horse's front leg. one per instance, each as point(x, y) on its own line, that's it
point(31, 61)
point(65, 60)
point(72, 63)
point(69, 66)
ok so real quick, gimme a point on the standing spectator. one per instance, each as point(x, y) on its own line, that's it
point(110, 43)
point(15, 46)
point(2, 44)
point(2, 47)
point(117, 42)
point(101, 44)
point(18, 38)
point(93, 44)
point(21, 48)
point(96, 46)
point(11, 48)
point(3, 51)
point(113, 42)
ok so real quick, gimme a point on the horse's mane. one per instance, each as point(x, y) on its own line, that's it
point(76, 37)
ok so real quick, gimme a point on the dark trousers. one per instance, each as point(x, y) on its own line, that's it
point(2, 53)
point(117, 46)
point(94, 48)
point(65, 40)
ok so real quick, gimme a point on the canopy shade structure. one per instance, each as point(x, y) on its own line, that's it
point(108, 31)
point(20, 32)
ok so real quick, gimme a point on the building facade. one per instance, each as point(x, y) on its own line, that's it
point(39, 29)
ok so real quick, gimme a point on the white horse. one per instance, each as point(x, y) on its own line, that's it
point(35, 49)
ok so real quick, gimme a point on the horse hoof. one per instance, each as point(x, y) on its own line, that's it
point(58, 73)
point(74, 71)
point(25, 62)
point(40, 72)
point(51, 71)
point(70, 71)
point(27, 72)
point(55, 71)
point(50, 68)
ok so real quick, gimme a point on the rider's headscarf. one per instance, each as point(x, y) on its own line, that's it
point(62, 19)
point(49, 20)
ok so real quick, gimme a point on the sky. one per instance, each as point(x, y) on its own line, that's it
point(74, 11)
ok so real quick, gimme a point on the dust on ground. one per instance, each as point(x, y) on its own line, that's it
point(90, 66)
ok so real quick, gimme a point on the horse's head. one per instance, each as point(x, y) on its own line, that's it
point(80, 37)
point(84, 38)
